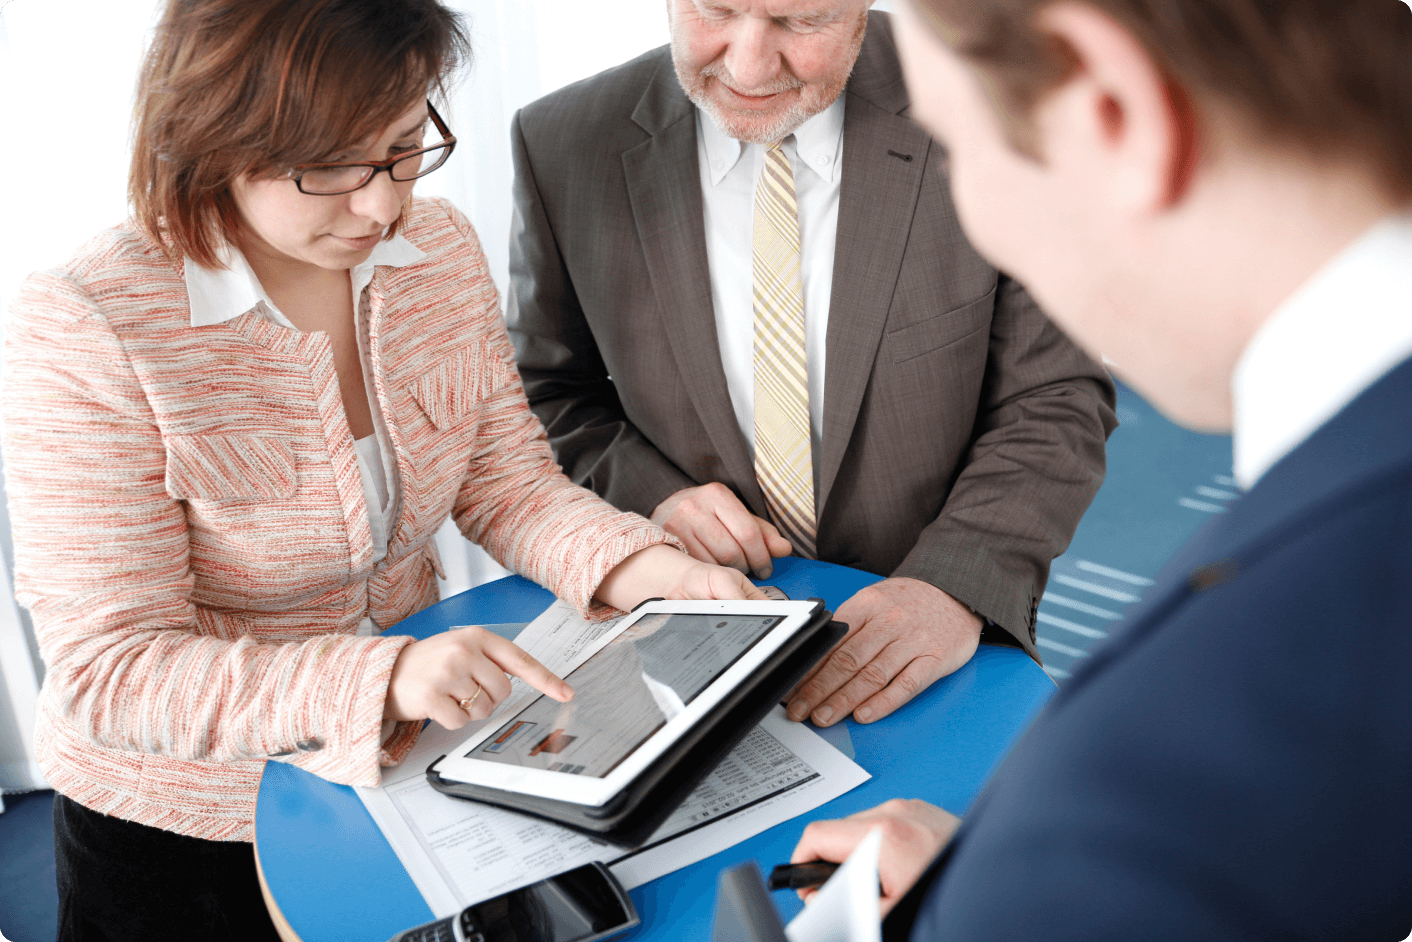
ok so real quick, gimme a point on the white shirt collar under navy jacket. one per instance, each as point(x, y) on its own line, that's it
point(1333, 338)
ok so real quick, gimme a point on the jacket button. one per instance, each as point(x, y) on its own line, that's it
point(309, 745)
point(281, 755)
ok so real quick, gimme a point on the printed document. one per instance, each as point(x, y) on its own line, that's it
point(460, 852)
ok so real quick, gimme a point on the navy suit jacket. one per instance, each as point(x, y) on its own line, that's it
point(1237, 762)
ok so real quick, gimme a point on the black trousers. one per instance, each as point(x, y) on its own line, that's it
point(122, 881)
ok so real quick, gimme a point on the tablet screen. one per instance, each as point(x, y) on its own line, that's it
point(625, 693)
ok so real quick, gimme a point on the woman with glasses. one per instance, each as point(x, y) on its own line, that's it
point(232, 426)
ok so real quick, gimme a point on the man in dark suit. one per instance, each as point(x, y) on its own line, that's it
point(1218, 195)
point(827, 356)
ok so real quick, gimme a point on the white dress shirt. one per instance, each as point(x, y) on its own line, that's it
point(1333, 338)
point(218, 295)
point(729, 171)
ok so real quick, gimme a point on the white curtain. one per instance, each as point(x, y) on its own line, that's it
point(67, 71)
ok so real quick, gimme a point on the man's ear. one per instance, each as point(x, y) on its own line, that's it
point(1140, 125)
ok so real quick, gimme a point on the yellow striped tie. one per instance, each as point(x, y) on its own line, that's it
point(783, 465)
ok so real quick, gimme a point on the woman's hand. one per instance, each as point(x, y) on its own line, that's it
point(663, 572)
point(430, 678)
point(913, 833)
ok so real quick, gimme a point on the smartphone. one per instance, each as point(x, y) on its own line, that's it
point(579, 905)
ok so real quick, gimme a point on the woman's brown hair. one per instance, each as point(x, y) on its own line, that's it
point(235, 87)
point(1332, 78)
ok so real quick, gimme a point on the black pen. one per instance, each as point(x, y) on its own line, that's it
point(801, 876)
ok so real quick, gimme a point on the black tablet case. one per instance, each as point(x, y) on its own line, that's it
point(640, 808)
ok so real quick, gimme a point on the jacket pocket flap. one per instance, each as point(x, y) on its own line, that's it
point(456, 386)
point(940, 330)
point(229, 466)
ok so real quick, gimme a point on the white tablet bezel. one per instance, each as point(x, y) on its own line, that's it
point(595, 792)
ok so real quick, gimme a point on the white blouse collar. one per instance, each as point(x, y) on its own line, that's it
point(218, 295)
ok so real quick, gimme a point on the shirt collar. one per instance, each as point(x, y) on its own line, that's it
point(818, 143)
point(1333, 338)
point(218, 295)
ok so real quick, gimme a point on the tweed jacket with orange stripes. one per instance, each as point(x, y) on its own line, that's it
point(190, 531)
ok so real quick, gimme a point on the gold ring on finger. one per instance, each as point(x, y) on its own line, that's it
point(467, 701)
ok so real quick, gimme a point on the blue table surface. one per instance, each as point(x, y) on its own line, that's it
point(335, 877)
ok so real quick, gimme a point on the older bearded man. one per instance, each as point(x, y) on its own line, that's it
point(742, 305)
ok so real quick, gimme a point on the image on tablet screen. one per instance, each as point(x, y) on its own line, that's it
point(625, 693)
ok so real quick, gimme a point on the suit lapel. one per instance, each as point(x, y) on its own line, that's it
point(665, 190)
point(401, 518)
point(1357, 448)
point(877, 198)
point(884, 159)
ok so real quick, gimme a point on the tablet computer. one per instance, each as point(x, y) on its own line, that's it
point(645, 685)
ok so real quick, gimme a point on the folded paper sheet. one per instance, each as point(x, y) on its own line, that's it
point(846, 909)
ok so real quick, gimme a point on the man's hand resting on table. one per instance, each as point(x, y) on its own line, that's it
point(913, 833)
point(717, 528)
point(903, 634)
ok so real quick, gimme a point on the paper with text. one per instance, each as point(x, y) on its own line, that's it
point(460, 852)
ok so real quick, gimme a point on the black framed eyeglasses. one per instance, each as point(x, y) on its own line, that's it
point(337, 179)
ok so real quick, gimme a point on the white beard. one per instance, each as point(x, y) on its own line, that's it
point(764, 130)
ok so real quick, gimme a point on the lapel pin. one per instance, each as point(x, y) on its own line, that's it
point(1216, 574)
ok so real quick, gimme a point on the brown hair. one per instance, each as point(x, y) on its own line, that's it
point(234, 87)
point(1329, 77)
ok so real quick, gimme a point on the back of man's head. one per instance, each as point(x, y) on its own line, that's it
point(1332, 78)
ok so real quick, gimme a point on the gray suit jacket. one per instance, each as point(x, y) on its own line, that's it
point(963, 433)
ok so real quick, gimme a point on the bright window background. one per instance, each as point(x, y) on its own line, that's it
point(68, 68)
